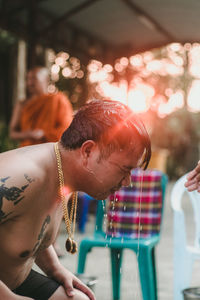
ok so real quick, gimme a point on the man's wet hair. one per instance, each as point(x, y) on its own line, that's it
point(111, 124)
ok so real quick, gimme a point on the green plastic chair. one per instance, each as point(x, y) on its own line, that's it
point(145, 257)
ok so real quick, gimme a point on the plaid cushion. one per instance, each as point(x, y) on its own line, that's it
point(137, 206)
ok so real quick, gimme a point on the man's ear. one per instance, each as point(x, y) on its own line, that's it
point(87, 149)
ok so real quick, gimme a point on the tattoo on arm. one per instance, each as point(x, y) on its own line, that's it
point(12, 193)
point(42, 231)
point(28, 178)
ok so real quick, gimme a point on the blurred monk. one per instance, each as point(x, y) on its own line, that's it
point(41, 117)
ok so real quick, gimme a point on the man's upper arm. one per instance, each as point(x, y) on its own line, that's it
point(13, 195)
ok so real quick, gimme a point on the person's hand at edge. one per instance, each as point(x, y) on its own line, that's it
point(193, 179)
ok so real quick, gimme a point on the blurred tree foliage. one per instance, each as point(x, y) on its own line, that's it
point(179, 133)
point(7, 41)
point(7, 57)
point(69, 75)
point(76, 89)
point(168, 70)
point(6, 143)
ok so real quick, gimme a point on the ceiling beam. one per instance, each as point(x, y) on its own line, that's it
point(147, 19)
point(66, 16)
point(8, 14)
point(3, 5)
point(73, 29)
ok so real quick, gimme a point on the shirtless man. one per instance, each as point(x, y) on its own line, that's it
point(41, 117)
point(104, 142)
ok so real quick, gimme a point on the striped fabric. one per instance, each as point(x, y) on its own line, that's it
point(136, 207)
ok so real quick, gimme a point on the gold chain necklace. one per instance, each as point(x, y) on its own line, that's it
point(70, 245)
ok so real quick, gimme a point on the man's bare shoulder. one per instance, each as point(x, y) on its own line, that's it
point(31, 158)
point(23, 172)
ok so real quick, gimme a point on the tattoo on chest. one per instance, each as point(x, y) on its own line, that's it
point(13, 193)
point(42, 232)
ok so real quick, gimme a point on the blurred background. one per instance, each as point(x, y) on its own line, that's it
point(145, 54)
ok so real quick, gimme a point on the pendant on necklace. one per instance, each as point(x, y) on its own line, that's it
point(69, 245)
point(74, 247)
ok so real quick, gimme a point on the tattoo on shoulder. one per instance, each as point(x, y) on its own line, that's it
point(13, 193)
point(28, 178)
point(42, 231)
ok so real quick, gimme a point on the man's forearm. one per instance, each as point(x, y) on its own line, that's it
point(6, 293)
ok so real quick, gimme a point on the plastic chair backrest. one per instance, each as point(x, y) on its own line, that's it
point(101, 206)
point(177, 194)
point(100, 216)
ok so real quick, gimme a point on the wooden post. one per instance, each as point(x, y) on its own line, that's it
point(32, 39)
point(21, 71)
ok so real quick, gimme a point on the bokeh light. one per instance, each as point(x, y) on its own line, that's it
point(134, 80)
point(193, 101)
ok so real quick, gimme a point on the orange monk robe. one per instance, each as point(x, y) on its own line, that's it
point(50, 112)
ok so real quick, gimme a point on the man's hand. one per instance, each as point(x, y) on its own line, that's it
point(48, 261)
point(69, 281)
point(193, 179)
point(37, 134)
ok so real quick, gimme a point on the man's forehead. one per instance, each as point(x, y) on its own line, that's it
point(136, 157)
point(136, 149)
point(129, 157)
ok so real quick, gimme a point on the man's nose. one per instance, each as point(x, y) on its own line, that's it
point(127, 180)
